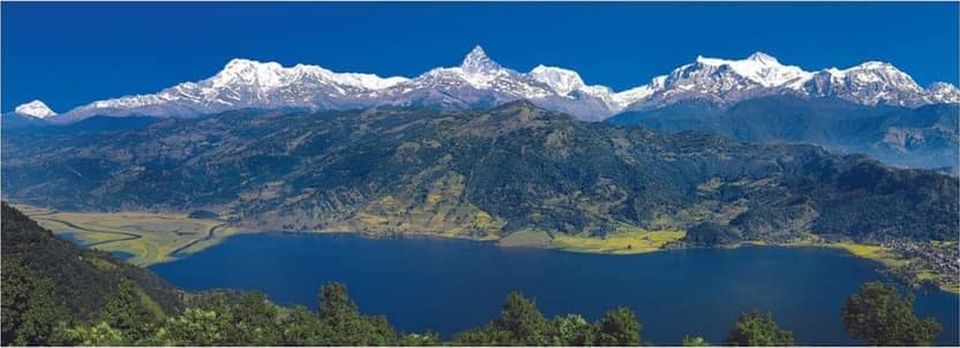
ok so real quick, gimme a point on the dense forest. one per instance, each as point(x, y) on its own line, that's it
point(55, 293)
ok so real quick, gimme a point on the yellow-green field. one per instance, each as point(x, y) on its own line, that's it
point(627, 240)
point(150, 237)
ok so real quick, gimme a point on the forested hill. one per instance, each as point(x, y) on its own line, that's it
point(482, 173)
point(48, 281)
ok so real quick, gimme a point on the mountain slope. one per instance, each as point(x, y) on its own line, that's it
point(47, 279)
point(484, 174)
point(924, 137)
point(480, 82)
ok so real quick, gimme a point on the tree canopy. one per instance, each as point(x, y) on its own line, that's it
point(755, 329)
point(878, 315)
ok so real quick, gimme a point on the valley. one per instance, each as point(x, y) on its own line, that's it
point(152, 239)
point(149, 238)
point(515, 174)
point(480, 174)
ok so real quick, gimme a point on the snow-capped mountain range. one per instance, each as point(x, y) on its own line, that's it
point(481, 82)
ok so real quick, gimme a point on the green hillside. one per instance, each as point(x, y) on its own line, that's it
point(481, 174)
point(47, 280)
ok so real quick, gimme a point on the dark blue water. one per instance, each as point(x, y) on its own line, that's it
point(452, 285)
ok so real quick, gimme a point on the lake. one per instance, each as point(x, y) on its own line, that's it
point(452, 285)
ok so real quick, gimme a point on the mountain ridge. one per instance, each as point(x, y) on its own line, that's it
point(480, 82)
point(925, 137)
point(475, 173)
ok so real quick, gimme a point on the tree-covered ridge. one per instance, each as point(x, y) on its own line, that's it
point(36, 313)
point(46, 279)
point(483, 174)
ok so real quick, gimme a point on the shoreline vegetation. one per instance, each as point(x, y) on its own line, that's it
point(152, 238)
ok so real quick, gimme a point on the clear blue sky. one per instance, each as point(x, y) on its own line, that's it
point(71, 54)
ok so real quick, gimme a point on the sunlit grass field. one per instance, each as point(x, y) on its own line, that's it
point(149, 237)
point(626, 240)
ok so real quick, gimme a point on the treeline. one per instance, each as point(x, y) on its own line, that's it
point(877, 314)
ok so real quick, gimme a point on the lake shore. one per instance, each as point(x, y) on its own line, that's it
point(153, 238)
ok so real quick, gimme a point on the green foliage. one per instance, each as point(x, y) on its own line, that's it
point(101, 334)
point(694, 341)
point(255, 321)
point(78, 280)
point(521, 323)
point(571, 330)
point(342, 324)
point(427, 339)
point(755, 329)
point(126, 313)
point(878, 315)
point(301, 327)
point(31, 309)
point(246, 320)
point(709, 234)
point(618, 327)
point(195, 327)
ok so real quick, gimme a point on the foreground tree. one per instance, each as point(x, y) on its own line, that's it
point(126, 312)
point(878, 315)
point(618, 327)
point(755, 329)
point(301, 327)
point(342, 324)
point(522, 321)
point(571, 330)
point(519, 323)
point(30, 310)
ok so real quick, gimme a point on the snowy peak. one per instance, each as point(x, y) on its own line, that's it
point(36, 109)
point(477, 61)
point(759, 68)
point(480, 82)
point(250, 73)
point(561, 80)
point(267, 75)
point(763, 58)
point(870, 83)
point(942, 92)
